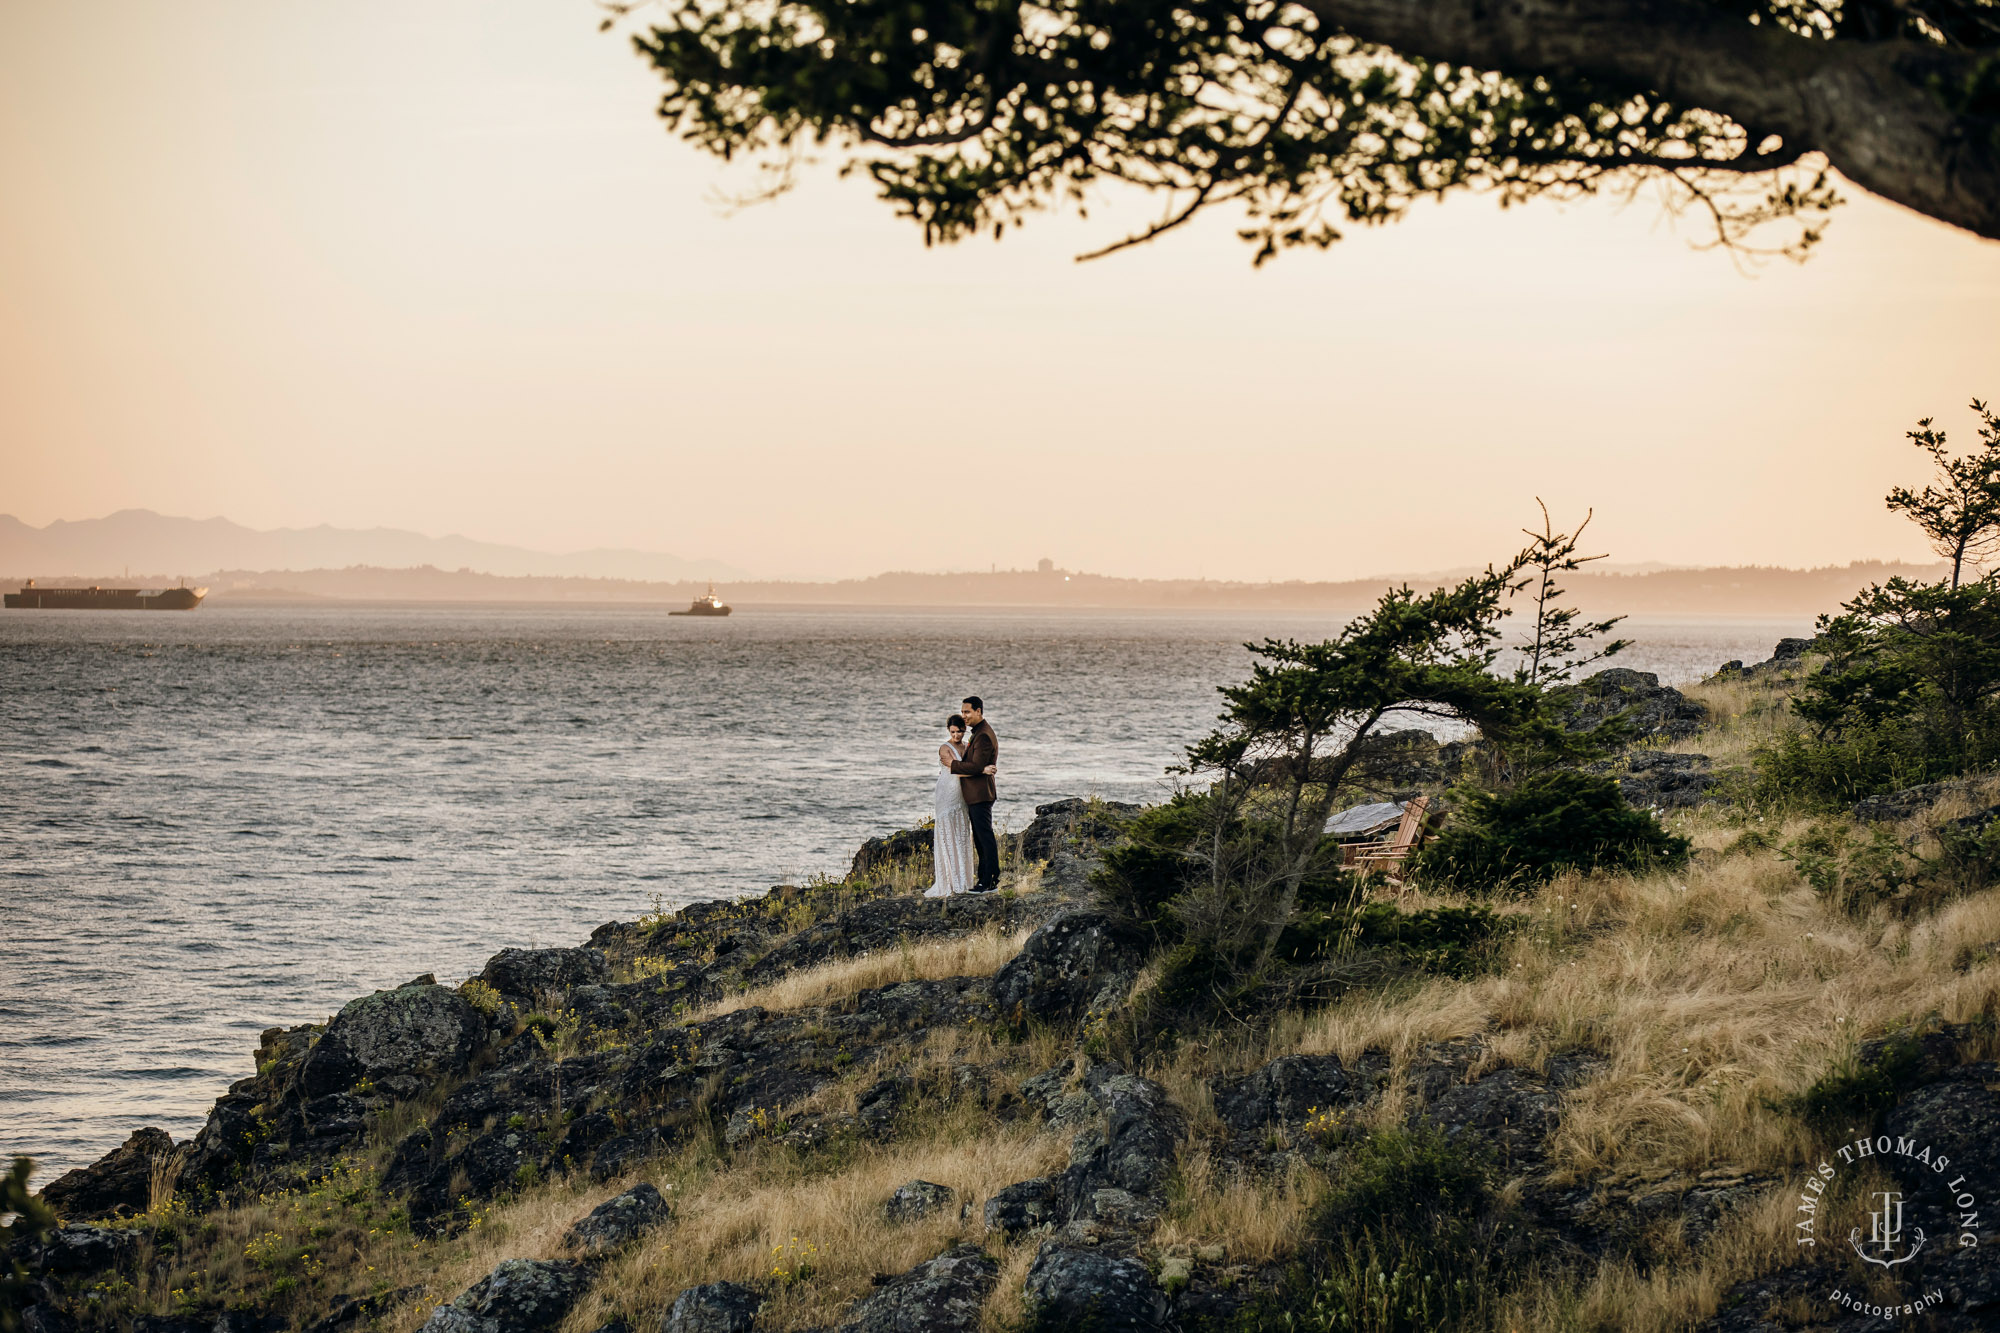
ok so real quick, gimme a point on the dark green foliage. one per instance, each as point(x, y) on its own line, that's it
point(1853, 1095)
point(1565, 820)
point(1156, 862)
point(1412, 1239)
point(1446, 941)
point(1013, 109)
point(32, 1220)
point(1858, 872)
point(1909, 691)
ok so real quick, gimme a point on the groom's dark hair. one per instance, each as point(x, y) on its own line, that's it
point(954, 723)
point(975, 701)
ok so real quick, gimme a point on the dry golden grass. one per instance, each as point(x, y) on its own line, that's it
point(978, 954)
point(810, 1232)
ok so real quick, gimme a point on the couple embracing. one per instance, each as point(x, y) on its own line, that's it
point(966, 858)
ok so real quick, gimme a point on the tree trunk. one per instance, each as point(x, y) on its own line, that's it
point(1868, 106)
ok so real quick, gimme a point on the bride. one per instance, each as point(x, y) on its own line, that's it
point(951, 837)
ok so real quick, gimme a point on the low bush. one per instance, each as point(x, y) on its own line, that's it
point(1852, 1096)
point(1566, 820)
point(1412, 1238)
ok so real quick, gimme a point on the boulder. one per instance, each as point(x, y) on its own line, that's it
point(532, 974)
point(718, 1307)
point(518, 1296)
point(878, 854)
point(1072, 821)
point(1023, 1206)
point(1107, 1293)
point(1649, 709)
point(1079, 961)
point(1286, 1091)
point(917, 1199)
point(423, 1030)
point(1666, 781)
point(943, 1295)
point(1909, 802)
point(1142, 1127)
point(79, 1248)
point(1509, 1111)
point(121, 1181)
point(619, 1221)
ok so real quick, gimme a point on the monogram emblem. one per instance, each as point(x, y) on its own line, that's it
point(1885, 1233)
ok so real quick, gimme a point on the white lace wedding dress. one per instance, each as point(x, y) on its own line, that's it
point(955, 865)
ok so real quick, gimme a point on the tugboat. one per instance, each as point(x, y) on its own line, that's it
point(708, 604)
point(95, 598)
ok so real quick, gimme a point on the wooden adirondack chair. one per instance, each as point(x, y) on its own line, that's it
point(1389, 854)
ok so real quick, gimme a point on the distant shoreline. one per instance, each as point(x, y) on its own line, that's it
point(1736, 591)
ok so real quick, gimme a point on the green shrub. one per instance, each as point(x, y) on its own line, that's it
point(1857, 872)
point(1448, 941)
point(1557, 821)
point(1154, 865)
point(1853, 1095)
point(1412, 1238)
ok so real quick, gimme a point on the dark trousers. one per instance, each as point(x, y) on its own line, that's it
point(983, 844)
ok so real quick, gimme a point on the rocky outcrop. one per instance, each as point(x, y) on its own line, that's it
point(1079, 963)
point(1648, 709)
point(1121, 1156)
point(618, 1221)
point(421, 1031)
point(1091, 1288)
point(1287, 1091)
point(879, 854)
point(1896, 806)
point(518, 1296)
point(530, 975)
point(1073, 825)
point(943, 1295)
point(716, 1307)
point(1666, 781)
point(121, 1181)
point(917, 1199)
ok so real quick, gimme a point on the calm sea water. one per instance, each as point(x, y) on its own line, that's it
point(217, 822)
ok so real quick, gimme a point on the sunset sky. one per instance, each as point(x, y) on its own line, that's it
point(440, 267)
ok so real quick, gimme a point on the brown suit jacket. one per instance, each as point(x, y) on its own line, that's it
point(981, 749)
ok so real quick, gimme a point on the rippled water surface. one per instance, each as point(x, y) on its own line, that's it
point(215, 822)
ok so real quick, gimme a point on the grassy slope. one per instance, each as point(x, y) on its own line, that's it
point(1712, 994)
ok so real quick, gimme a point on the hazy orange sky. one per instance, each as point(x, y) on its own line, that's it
point(439, 267)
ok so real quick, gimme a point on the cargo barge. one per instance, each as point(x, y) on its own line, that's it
point(95, 598)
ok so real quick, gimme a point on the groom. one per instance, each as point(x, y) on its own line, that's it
point(975, 779)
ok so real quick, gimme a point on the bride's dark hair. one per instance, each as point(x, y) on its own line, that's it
point(954, 723)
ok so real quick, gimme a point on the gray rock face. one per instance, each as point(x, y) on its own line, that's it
point(1284, 1092)
point(77, 1248)
point(1073, 821)
point(530, 974)
point(1668, 781)
point(917, 1199)
point(1508, 1110)
point(118, 1182)
point(1079, 961)
point(1908, 803)
point(619, 1221)
point(422, 1030)
point(941, 1296)
point(1651, 710)
point(1089, 1287)
point(718, 1307)
point(1023, 1206)
point(518, 1296)
point(1141, 1129)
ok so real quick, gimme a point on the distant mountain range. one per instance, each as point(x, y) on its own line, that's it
point(157, 544)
